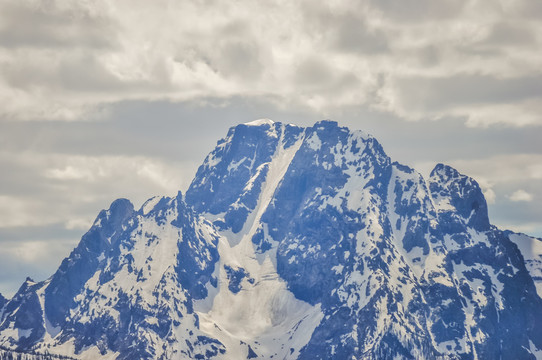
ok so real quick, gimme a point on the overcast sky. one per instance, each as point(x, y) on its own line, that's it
point(107, 99)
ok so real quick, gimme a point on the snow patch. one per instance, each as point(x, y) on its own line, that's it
point(150, 204)
point(314, 142)
point(260, 122)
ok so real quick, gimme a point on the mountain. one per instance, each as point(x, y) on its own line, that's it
point(292, 243)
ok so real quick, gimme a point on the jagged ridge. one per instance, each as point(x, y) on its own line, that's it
point(293, 242)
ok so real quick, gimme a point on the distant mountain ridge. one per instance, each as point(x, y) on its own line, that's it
point(292, 243)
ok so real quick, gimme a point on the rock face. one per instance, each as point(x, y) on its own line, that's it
point(292, 243)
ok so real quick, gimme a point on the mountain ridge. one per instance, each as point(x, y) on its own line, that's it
point(290, 243)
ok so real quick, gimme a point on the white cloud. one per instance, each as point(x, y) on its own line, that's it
point(520, 195)
point(94, 169)
point(81, 56)
point(78, 223)
point(518, 115)
point(69, 173)
point(73, 188)
point(487, 189)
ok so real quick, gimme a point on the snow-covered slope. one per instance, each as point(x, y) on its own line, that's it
point(126, 291)
point(291, 243)
point(531, 250)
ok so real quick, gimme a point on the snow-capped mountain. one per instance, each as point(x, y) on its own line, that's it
point(292, 243)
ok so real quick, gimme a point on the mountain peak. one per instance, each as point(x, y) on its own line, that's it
point(118, 211)
point(326, 123)
point(121, 206)
point(444, 172)
point(260, 122)
point(461, 194)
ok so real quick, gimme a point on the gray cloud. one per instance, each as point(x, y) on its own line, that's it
point(345, 30)
point(313, 72)
point(442, 93)
point(41, 25)
point(416, 10)
point(529, 9)
point(511, 34)
point(241, 59)
point(78, 73)
point(353, 35)
point(79, 57)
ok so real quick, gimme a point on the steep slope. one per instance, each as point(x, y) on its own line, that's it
point(126, 291)
point(253, 312)
point(293, 243)
point(396, 265)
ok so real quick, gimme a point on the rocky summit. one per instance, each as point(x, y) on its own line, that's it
point(291, 243)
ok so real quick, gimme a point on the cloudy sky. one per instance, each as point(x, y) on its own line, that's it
point(113, 98)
